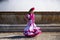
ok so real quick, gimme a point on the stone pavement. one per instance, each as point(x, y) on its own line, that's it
point(20, 36)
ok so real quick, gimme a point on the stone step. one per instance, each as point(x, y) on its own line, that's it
point(20, 27)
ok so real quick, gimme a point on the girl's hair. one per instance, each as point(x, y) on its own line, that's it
point(31, 9)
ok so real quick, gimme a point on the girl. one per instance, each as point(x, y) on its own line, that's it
point(31, 30)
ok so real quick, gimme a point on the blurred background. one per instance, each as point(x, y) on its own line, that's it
point(12, 22)
point(25, 5)
point(47, 11)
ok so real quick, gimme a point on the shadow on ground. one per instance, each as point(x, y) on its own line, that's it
point(14, 37)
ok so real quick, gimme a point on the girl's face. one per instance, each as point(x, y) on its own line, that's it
point(32, 12)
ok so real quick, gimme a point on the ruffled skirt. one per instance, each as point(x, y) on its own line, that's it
point(32, 30)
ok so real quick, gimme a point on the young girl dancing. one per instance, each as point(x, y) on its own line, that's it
point(31, 29)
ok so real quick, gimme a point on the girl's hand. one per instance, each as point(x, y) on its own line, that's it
point(26, 18)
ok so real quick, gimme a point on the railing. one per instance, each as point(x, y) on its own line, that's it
point(18, 17)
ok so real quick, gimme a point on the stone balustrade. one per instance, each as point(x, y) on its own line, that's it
point(18, 17)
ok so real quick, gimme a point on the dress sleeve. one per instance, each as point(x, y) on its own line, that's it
point(28, 16)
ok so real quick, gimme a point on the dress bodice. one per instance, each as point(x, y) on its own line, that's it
point(31, 16)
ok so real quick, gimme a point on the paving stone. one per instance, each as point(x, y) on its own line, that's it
point(20, 36)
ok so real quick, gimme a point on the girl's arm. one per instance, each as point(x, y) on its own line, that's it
point(26, 18)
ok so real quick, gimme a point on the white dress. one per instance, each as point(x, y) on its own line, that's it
point(31, 28)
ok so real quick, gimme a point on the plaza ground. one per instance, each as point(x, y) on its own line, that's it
point(20, 36)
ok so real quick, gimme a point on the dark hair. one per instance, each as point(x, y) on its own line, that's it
point(31, 9)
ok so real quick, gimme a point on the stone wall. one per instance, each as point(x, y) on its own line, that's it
point(18, 17)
